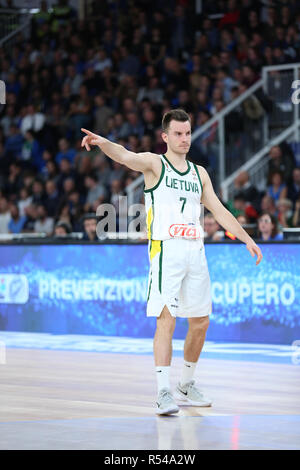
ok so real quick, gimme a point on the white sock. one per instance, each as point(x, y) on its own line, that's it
point(163, 377)
point(188, 371)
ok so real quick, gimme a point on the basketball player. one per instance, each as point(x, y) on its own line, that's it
point(179, 282)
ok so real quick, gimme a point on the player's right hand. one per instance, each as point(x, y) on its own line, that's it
point(91, 139)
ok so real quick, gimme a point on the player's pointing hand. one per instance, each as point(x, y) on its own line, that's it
point(91, 139)
point(254, 250)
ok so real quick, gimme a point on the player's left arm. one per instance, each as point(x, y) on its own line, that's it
point(224, 217)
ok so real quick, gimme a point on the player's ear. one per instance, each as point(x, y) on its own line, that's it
point(164, 137)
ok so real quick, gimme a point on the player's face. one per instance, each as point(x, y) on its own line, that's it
point(178, 137)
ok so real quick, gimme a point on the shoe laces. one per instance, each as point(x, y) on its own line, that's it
point(165, 393)
point(191, 386)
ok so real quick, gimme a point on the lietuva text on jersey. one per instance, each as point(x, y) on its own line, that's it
point(173, 205)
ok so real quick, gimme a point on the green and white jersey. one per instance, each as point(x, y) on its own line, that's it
point(173, 205)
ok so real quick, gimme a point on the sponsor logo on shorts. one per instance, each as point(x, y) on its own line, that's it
point(185, 231)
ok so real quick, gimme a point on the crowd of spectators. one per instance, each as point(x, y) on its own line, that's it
point(116, 73)
point(265, 212)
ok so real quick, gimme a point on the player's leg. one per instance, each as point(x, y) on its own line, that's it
point(197, 304)
point(186, 389)
point(195, 338)
point(162, 344)
point(167, 270)
point(162, 349)
point(193, 346)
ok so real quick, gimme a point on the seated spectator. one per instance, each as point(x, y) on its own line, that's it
point(57, 121)
point(68, 187)
point(285, 212)
point(38, 192)
point(282, 162)
point(102, 168)
point(75, 208)
point(41, 17)
point(64, 214)
point(89, 227)
point(146, 143)
point(128, 64)
point(73, 79)
point(17, 221)
point(4, 215)
point(14, 181)
point(293, 192)
point(102, 61)
point(24, 200)
point(242, 219)
point(14, 142)
point(296, 216)
point(33, 120)
point(133, 125)
point(277, 188)
point(268, 227)
point(62, 230)
point(152, 91)
point(268, 205)
point(65, 151)
point(4, 163)
point(43, 223)
point(80, 112)
point(52, 198)
point(9, 119)
point(32, 151)
point(242, 207)
point(95, 192)
point(51, 171)
point(149, 121)
point(66, 171)
point(211, 229)
point(244, 186)
point(102, 113)
point(31, 217)
point(155, 48)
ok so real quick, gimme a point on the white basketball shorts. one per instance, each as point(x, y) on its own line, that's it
point(178, 278)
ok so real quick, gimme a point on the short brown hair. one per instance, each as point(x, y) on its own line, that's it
point(174, 115)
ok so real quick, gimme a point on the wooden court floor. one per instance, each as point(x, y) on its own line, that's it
point(54, 399)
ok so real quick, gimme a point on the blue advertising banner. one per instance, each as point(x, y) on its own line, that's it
point(101, 290)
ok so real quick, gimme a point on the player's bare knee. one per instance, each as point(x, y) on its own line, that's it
point(166, 322)
point(199, 324)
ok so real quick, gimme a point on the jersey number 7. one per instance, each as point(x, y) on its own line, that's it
point(183, 203)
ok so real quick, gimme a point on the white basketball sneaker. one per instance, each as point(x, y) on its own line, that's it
point(191, 394)
point(165, 404)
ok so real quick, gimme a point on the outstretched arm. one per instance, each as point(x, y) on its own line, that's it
point(224, 217)
point(135, 161)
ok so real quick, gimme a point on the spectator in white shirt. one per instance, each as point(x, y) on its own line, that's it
point(4, 215)
point(102, 61)
point(32, 120)
point(24, 201)
point(43, 224)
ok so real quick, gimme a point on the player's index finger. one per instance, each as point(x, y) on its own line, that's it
point(86, 131)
